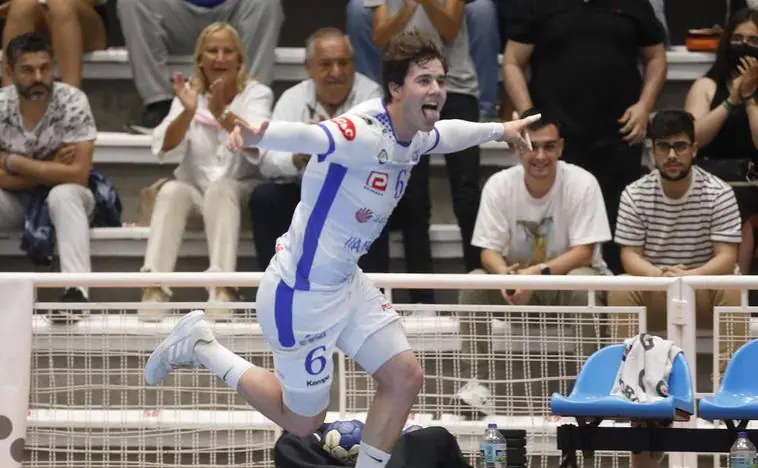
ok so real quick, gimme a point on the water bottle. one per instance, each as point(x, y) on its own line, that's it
point(492, 450)
point(742, 453)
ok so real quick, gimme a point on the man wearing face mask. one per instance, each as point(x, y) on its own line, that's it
point(679, 220)
point(726, 118)
point(333, 88)
point(47, 136)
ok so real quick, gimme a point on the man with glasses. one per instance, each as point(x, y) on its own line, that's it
point(542, 217)
point(679, 220)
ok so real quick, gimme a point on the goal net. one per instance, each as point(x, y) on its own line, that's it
point(90, 407)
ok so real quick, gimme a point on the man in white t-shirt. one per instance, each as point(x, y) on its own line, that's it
point(679, 220)
point(541, 217)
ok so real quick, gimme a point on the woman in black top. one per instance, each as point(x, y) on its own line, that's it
point(726, 112)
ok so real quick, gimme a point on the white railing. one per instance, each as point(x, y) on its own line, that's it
point(16, 330)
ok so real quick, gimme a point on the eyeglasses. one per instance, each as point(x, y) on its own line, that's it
point(744, 39)
point(663, 147)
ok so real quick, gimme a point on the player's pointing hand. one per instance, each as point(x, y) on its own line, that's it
point(514, 132)
point(246, 134)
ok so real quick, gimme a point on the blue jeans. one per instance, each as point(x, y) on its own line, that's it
point(484, 47)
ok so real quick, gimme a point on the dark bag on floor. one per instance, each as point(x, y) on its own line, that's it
point(431, 447)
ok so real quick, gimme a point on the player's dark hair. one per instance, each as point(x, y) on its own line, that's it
point(401, 51)
point(670, 122)
point(545, 120)
point(25, 44)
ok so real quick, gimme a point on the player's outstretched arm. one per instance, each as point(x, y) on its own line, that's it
point(456, 135)
point(294, 137)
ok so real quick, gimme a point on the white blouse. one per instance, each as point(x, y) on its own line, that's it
point(203, 155)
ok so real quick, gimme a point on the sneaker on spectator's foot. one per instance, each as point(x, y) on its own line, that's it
point(216, 311)
point(177, 351)
point(152, 115)
point(478, 398)
point(72, 295)
point(154, 295)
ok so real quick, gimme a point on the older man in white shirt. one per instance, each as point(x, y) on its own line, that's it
point(333, 88)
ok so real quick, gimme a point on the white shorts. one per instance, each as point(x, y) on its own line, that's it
point(303, 327)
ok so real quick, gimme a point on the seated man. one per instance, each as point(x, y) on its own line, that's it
point(332, 89)
point(678, 220)
point(541, 217)
point(47, 136)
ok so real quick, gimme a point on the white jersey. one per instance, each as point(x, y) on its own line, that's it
point(348, 194)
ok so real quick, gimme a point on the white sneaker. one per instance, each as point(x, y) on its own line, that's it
point(478, 397)
point(178, 349)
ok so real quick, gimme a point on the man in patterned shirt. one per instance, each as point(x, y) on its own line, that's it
point(47, 136)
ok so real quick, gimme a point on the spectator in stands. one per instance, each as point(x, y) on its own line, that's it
point(483, 38)
point(584, 71)
point(211, 181)
point(156, 28)
point(443, 21)
point(333, 88)
point(47, 136)
point(726, 119)
point(542, 217)
point(74, 27)
point(679, 220)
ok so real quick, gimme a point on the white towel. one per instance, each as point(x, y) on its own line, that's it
point(645, 368)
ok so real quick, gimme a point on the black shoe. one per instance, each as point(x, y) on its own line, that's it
point(69, 316)
point(151, 117)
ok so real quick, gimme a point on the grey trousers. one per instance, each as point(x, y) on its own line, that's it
point(70, 207)
point(153, 29)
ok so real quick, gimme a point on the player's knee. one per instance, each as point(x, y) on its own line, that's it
point(402, 375)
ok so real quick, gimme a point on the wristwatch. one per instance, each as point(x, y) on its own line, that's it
point(544, 269)
point(224, 114)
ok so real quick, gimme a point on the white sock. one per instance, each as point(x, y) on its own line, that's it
point(371, 457)
point(227, 366)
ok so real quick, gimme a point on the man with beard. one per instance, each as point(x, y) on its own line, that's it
point(542, 217)
point(332, 89)
point(679, 220)
point(47, 136)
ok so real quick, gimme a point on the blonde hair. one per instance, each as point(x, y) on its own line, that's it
point(199, 80)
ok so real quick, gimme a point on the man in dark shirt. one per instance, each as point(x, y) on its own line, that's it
point(584, 56)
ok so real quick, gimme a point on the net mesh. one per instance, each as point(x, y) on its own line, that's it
point(90, 406)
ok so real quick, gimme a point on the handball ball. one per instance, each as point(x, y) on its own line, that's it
point(342, 440)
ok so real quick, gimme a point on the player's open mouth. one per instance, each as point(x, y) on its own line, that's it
point(431, 111)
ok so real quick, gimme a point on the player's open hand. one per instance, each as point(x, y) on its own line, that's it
point(246, 134)
point(515, 132)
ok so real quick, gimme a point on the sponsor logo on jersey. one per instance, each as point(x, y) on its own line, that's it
point(382, 157)
point(364, 215)
point(346, 127)
point(377, 181)
point(357, 245)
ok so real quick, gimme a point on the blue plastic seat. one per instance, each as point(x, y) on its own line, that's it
point(591, 396)
point(737, 399)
